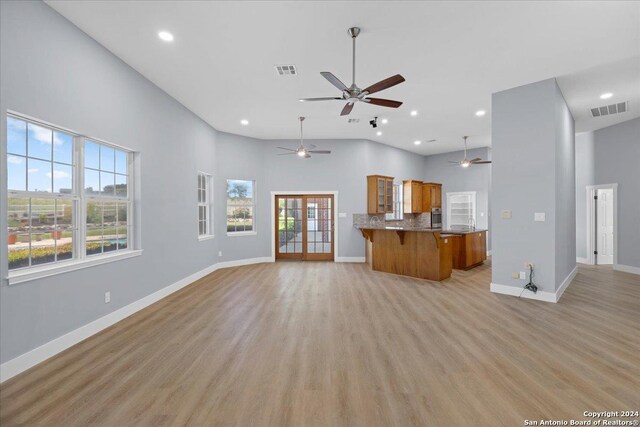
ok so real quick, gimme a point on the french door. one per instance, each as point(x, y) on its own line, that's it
point(304, 227)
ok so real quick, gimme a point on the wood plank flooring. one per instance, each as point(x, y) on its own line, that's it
point(305, 344)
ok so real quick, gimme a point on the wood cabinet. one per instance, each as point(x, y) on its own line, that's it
point(469, 250)
point(379, 194)
point(412, 196)
point(431, 196)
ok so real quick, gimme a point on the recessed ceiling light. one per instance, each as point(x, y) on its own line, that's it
point(244, 122)
point(480, 113)
point(417, 142)
point(379, 133)
point(165, 36)
point(606, 95)
point(385, 121)
point(414, 113)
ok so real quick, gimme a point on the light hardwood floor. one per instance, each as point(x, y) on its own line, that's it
point(337, 344)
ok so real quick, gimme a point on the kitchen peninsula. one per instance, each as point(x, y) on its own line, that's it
point(408, 250)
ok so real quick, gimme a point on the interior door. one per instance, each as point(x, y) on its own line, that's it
point(604, 232)
point(305, 227)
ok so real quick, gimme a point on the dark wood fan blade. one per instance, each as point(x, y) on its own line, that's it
point(475, 160)
point(288, 149)
point(481, 162)
point(320, 151)
point(333, 80)
point(383, 102)
point(347, 109)
point(385, 84)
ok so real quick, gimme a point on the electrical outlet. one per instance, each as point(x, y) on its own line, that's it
point(523, 275)
point(219, 253)
point(515, 275)
point(107, 297)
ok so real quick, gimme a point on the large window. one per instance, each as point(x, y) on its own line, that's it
point(50, 220)
point(240, 207)
point(461, 209)
point(205, 221)
point(398, 211)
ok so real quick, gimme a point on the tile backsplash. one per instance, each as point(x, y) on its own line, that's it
point(415, 220)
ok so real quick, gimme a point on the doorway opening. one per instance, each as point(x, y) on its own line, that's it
point(602, 218)
point(304, 227)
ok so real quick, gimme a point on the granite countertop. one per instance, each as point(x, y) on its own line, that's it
point(383, 226)
point(462, 231)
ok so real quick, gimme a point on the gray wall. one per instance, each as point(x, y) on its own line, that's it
point(584, 177)
point(345, 171)
point(532, 138)
point(617, 150)
point(53, 71)
point(455, 178)
point(565, 190)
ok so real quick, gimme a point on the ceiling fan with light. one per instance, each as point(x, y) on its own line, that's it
point(302, 151)
point(353, 93)
point(465, 163)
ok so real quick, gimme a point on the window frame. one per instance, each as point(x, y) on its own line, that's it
point(473, 201)
point(208, 205)
point(254, 230)
point(79, 200)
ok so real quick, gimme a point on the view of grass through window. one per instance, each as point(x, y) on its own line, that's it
point(240, 206)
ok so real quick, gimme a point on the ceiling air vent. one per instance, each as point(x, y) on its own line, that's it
point(286, 70)
point(607, 110)
point(354, 120)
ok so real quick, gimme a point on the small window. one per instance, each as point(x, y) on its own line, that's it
point(205, 221)
point(240, 207)
point(461, 209)
point(398, 212)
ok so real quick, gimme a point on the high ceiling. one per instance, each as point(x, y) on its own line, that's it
point(454, 55)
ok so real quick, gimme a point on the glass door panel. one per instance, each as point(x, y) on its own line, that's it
point(289, 238)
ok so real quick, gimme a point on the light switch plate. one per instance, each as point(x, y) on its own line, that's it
point(342, 215)
point(539, 216)
point(505, 214)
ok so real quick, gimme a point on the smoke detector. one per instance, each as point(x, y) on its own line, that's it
point(607, 110)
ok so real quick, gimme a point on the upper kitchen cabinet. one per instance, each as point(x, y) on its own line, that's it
point(379, 194)
point(431, 196)
point(412, 196)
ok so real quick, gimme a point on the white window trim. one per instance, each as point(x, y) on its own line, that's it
point(82, 260)
point(255, 209)
point(459, 193)
point(209, 204)
point(33, 273)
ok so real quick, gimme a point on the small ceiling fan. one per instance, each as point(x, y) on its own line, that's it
point(303, 151)
point(465, 163)
point(353, 93)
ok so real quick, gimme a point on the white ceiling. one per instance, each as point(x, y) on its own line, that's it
point(454, 55)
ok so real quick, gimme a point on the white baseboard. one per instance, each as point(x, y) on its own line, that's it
point(515, 291)
point(240, 262)
point(540, 295)
point(31, 358)
point(350, 259)
point(583, 260)
point(627, 268)
point(565, 283)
